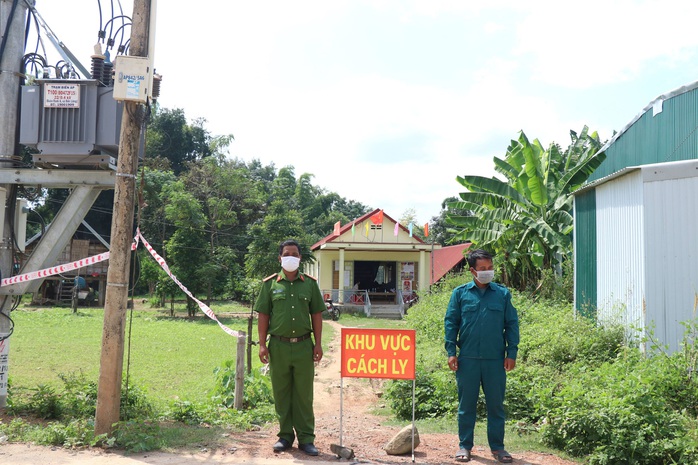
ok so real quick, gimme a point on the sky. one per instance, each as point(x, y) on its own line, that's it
point(386, 102)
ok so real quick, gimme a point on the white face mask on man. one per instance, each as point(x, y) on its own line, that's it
point(485, 277)
point(290, 263)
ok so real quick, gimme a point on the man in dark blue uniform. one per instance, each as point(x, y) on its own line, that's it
point(481, 339)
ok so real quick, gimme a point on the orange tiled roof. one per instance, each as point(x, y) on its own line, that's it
point(446, 258)
point(347, 227)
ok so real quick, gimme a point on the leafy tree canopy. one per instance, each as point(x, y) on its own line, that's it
point(526, 218)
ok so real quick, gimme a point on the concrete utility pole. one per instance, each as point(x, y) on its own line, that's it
point(112, 358)
point(12, 17)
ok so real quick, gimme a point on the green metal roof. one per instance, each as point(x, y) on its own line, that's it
point(665, 130)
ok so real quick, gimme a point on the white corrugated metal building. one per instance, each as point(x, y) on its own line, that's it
point(636, 227)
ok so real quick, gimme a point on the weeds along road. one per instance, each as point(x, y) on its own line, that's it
point(362, 431)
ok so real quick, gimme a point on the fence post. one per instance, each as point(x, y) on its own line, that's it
point(240, 371)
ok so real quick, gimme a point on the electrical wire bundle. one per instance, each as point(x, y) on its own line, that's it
point(114, 31)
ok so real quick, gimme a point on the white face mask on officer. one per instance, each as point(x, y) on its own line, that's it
point(290, 263)
point(485, 277)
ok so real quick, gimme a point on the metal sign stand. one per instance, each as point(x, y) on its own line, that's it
point(414, 385)
point(341, 409)
point(373, 353)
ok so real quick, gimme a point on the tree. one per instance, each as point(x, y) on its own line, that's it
point(171, 137)
point(151, 204)
point(186, 248)
point(228, 200)
point(527, 218)
point(279, 224)
point(321, 209)
point(410, 216)
point(439, 227)
point(283, 187)
point(150, 271)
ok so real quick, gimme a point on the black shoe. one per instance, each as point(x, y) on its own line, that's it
point(281, 445)
point(309, 448)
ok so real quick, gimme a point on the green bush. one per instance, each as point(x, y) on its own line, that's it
point(135, 403)
point(136, 436)
point(435, 395)
point(187, 413)
point(257, 387)
point(557, 287)
point(16, 430)
point(79, 396)
point(75, 433)
point(45, 403)
point(551, 335)
point(427, 316)
point(529, 388)
point(619, 413)
point(78, 399)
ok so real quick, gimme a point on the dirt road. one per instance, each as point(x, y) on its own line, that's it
point(361, 430)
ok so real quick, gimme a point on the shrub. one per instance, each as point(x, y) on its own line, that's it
point(187, 413)
point(619, 414)
point(529, 388)
point(78, 399)
point(15, 430)
point(75, 433)
point(136, 436)
point(257, 387)
point(45, 403)
point(435, 395)
point(135, 403)
point(557, 287)
point(551, 335)
point(80, 395)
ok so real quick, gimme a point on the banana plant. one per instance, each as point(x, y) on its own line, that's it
point(526, 216)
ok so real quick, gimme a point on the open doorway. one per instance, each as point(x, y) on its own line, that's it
point(375, 276)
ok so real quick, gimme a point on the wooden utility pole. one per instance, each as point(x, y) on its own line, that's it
point(112, 358)
point(12, 18)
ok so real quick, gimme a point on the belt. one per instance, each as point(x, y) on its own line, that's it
point(291, 339)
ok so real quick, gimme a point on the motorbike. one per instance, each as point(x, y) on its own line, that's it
point(332, 310)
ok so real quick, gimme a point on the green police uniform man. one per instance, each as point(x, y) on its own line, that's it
point(483, 325)
point(290, 307)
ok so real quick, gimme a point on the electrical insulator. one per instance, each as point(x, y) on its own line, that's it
point(98, 68)
point(157, 79)
point(107, 74)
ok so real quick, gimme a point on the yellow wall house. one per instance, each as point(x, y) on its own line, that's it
point(372, 262)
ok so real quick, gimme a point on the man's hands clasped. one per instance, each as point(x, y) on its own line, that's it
point(509, 363)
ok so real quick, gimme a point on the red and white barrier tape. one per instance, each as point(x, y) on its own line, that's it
point(204, 308)
point(46, 272)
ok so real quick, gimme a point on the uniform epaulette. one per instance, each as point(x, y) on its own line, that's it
point(269, 277)
point(311, 277)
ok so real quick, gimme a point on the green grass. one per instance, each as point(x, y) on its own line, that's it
point(176, 436)
point(170, 358)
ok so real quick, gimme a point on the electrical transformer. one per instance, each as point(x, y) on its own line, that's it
point(71, 123)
